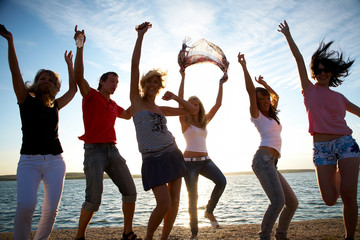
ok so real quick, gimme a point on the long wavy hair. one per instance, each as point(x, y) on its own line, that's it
point(273, 112)
point(162, 75)
point(331, 60)
point(47, 97)
point(202, 119)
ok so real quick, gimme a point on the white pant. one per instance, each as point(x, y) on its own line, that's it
point(31, 170)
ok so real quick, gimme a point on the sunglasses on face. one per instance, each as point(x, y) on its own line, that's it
point(318, 71)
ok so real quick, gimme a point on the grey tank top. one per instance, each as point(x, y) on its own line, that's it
point(151, 132)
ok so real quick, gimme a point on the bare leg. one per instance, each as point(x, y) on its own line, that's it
point(174, 189)
point(128, 210)
point(349, 171)
point(84, 220)
point(163, 200)
point(328, 183)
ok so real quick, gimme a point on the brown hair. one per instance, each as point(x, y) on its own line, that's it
point(46, 97)
point(202, 119)
point(272, 110)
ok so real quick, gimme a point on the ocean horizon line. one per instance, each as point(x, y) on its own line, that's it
point(81, 175)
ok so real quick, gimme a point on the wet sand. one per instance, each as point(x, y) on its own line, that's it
point(326, 229)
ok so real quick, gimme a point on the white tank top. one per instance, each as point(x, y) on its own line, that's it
point(195, 139)
point(269, 131)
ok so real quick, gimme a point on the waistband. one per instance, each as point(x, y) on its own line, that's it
point(192, 159)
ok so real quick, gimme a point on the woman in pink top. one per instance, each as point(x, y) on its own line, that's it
point(336, 154)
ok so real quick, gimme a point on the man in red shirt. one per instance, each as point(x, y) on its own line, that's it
point(101, 154)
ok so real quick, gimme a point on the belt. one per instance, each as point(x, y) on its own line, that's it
point(191, 159)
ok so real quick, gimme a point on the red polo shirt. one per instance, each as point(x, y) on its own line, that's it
point(99, 117)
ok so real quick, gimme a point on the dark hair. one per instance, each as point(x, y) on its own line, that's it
point(331, 60)
point(272, 110)
point(104, 77)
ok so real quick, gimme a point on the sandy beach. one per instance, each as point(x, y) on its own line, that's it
point(326, 229)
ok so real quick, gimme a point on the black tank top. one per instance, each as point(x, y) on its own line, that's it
point(39, 127)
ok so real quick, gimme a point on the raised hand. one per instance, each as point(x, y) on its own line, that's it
point(168, 96)
point(284, 28)
point(5, 33)
point(142, 28)
point(77, 33)
point(68, 57)
point(260, 80)
point(241, 59)
point(224, 78)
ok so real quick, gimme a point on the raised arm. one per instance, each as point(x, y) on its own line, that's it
point(135, 61)
point(182, 84)
point(184, 124)
point(354, 109)
point(185, 106)
point(18, 82)
point(68, 96)
point(284, 29)
point(273, 94)
point(250, 88)
point(79, 66)
point(219, 97)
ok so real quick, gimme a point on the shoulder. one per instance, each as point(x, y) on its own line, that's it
point(311, 88)
point(92, 93)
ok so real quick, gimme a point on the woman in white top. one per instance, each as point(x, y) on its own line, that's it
point(196, 156)
point(263, 111)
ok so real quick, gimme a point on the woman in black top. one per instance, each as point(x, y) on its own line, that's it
point(41, 149)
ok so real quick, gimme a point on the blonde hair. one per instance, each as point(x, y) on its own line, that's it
point(47, 98)
point(202, 119)
point(162, 75)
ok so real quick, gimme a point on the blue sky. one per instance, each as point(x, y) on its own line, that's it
point(43, 30)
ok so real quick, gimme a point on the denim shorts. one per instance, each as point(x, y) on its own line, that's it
point(100, 158)
point(328, 153)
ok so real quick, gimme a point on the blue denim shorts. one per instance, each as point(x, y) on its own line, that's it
point(100, 158)
point(328, 153)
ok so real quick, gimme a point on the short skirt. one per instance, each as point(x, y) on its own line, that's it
point(163, 168)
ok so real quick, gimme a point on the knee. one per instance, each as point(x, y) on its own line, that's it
point(330, 201)
point(163, 207)
point(175, 201)
point(221, 182)
point(278, 204)
point(293, 204)
point(349, 198)
point(26, 206)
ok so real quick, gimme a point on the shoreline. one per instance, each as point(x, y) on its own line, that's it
point(81, 175)
point(325, 229)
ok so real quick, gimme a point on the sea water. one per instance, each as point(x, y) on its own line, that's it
point(243, 202)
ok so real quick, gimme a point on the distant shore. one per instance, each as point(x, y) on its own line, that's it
point(80, 175)
point(325, 229)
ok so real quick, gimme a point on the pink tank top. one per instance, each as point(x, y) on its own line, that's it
point(326, 111)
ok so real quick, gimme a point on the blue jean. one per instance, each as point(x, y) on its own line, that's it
point(30, 171)
point(283, 200)
point(208, 169)
point(100, 158)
